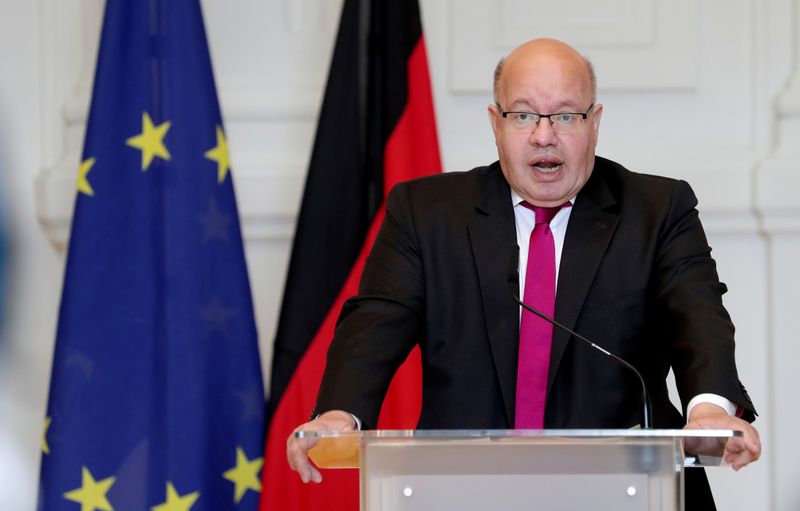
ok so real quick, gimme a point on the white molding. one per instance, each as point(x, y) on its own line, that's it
point(788, 103)
point(743, 222)
point(756, 198)
point(778, 179)
point(777, 199)
point(593, 23)
point(650, 45)
point(706, 173)
point(238, 104)
point(54, 199)
point(269, 199)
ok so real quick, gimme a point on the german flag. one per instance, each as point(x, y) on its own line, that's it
point(376, 129)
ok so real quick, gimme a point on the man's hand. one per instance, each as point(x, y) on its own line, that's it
point(737, 451)
point(297, 448)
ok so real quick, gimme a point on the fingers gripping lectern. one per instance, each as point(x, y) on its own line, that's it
point(624, 470)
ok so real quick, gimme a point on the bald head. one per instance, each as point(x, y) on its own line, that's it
point(544, 51)
point(546, 163)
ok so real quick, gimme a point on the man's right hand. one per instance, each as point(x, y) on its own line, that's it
point(297, 448)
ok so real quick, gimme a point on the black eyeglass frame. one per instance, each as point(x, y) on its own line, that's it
point(584, 115)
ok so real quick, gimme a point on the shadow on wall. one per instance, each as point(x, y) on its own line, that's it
point(15, 487)
point(4, 239)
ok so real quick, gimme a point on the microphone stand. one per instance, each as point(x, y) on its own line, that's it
point(647, 407)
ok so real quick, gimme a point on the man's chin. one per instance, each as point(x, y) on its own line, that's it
point(546, 196)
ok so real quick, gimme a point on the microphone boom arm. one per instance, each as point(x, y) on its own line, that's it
point(647, 407)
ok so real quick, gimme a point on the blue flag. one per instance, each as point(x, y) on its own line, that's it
point(156, 397)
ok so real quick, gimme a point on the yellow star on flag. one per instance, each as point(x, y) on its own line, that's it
point(150, 141)
point(220, 155)
point(244, 475)
point(83, 185)
point(92, 494)
point(45, 446)
point(176, 502)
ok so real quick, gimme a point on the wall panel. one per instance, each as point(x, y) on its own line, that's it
point(702, 90)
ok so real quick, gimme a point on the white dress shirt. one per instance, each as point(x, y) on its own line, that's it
point(525, 220)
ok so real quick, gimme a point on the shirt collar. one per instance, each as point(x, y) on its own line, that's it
point(516, 199)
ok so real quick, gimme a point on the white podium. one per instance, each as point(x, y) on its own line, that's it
point(516, 470)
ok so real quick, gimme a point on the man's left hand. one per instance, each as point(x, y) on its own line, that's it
point(737, 451)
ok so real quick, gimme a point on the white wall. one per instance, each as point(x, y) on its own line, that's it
point(705, 90)
point(32, 296)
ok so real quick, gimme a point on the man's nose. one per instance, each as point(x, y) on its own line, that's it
point(543, 133)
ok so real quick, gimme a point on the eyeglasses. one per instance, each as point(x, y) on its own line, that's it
point(562, 122)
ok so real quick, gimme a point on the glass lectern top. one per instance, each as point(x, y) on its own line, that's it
point(524, 433)
point(341, 449)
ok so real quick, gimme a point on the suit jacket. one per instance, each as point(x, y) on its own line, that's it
point(636, 277)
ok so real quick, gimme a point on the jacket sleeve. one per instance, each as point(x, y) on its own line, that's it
point(689, 299)
point(379, 327)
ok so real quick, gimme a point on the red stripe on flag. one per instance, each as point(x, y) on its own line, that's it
point(413, 148)
point(283, 489)
point(411, 151)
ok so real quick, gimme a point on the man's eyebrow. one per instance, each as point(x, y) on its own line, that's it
point(521, 103)
point(565, 105)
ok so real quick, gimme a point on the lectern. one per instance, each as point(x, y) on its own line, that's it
point(515, 470)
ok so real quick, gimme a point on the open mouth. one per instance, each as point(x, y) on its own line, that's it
point(547, 165)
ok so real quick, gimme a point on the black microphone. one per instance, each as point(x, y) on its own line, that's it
point(513, 280)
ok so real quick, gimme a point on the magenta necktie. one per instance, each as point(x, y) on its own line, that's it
point(536, 334)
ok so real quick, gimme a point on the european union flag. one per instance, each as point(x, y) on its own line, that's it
point(156, 397)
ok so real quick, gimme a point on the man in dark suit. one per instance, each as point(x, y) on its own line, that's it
point(633, 269)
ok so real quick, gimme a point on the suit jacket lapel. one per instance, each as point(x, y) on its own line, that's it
point(494, 242)
point(592, 224)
